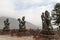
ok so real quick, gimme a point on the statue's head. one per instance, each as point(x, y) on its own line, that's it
point(42, 13)
point(23, 18)
point(7, 19)
point(4, 22)
point(47, 13)
point(19, 19)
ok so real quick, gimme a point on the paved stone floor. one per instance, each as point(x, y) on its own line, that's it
point(8, 37)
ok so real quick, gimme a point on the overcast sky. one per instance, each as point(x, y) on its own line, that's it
point(31, 9)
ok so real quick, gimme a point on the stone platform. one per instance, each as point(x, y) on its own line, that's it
point(49, 35)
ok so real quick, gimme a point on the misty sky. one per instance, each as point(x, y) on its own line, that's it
point(31, 9)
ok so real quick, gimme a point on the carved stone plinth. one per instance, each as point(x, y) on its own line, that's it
point(48, 32)
point(49, 35)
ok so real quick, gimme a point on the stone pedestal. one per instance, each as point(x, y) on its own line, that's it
point(49, 35)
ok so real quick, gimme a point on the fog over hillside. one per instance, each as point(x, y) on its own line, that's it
point(14, 24)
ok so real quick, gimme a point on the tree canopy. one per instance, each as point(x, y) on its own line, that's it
point(57, 10)
point(57, 14)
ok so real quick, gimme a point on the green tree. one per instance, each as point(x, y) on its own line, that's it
point(57, 14)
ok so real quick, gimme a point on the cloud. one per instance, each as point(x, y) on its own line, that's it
point(32, 9)
point(6, 8)
point(6, 5)
point(33, 14)
point(28, 1)
point(26, 4)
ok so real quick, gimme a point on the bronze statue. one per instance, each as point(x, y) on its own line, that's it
point(19, 23)
point(43, 20)
point(6, 23)
point(46, 21)
point(22, 24)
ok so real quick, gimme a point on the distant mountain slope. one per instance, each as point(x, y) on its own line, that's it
point(14, 23)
